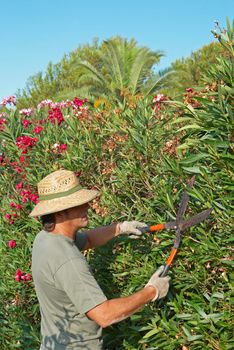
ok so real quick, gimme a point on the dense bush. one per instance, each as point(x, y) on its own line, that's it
point(140, 158)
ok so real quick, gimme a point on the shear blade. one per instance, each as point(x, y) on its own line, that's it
point(184, 200)
point(196, 219)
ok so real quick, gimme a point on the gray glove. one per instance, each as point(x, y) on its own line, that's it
point(131, 228)
point(161, 284)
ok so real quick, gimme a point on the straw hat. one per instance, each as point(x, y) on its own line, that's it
point(60, 190)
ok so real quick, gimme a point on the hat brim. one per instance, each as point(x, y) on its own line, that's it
point(80, 197)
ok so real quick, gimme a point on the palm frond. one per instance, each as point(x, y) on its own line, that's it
point(115, 63)
point(90, 68)
point(142, 67)
point(156, 85)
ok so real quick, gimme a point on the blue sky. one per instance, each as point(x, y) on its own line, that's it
point(34, 32)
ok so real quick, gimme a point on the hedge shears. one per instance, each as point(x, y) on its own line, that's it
point(179, 225)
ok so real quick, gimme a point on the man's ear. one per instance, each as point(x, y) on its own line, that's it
point(60, 216)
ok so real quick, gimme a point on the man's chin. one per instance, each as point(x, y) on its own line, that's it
point(85, 222)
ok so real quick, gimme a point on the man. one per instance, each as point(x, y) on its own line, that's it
point(73, 307)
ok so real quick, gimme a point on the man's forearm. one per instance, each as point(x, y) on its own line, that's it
point(101, 235)
point(116, 310)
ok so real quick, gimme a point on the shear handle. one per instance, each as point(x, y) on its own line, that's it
point(169, 262)
point(152, 228)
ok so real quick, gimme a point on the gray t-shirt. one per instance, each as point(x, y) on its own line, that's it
point(66, 290)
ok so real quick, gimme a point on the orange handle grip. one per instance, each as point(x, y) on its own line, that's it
point(172, 256)
point(157, 227)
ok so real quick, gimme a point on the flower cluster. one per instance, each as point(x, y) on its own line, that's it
point(12, 215)
point(45, 103)
point(10, 218)
point(28, 112)
point(8, 100)
point(171, 145)
point(83, 113)
point(2, 158)
point(25, 142)
point(76, 103)
point(55, 115)
point(26, 123)
point(3, 121)
point(51, 104)
point(111, 144)
point(18, 165)
point(108, 168)
point(22, 276)
point(98, 208)
point(189, 98)
point(158, 99)
point(26, 194)
point(59, 148)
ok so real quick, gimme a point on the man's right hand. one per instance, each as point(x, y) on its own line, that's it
point(161, 284)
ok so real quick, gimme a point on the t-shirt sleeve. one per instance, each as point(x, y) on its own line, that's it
point(77, 280)
point(80, 240)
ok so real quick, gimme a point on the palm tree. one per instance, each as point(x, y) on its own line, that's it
point(123, 66)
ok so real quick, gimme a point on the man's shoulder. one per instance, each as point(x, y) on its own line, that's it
point(53, 251)
point(54, 244)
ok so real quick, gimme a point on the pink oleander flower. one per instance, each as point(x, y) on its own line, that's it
point(18, 169)
point(63, 147)
point(19, 206)
point(26, 277)
point(27, 112)
point(37, 130)
point(34, 198)
point(76, 103)
point(55, 146)
point(26, 123)
point(14, 164)
point(12, 243)
point(42, 121)
point(3, 122)
point(19, 186)
point(28, 196)
point(8, 217)
point(158, 99)
point(22, 159)
point(18, 275)
point(61, 104)
point(44, 103)
point(189, 90)
point(8, 100)
point(55, 115)
point(22, 276)
point(25, 142)
point(12, 205)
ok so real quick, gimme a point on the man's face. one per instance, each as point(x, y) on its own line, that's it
point(78, 216)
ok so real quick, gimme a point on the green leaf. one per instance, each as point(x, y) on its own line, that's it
point(185, 316)
point(195, 158)
point(150, 333)
point(193, 170)
point(192, 126)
